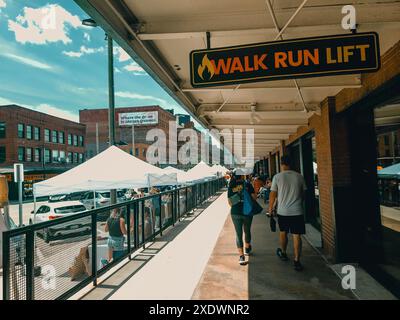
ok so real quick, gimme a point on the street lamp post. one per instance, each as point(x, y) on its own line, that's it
point(111, 94)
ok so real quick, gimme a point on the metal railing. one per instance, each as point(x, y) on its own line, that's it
point(57, 258)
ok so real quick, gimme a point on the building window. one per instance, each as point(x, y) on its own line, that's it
point(61, 137)
point(55, 156)
point(36, 133)
point(2, 130)
point(46, 135)
point(70, 139)
point(28, 154)
point(21, 130)
point(21, 154)
point(29, 132)
point(76, 158)
point(137, 152)
point(81, 158)
point(70, 157)
point(81, 142)
point(37, 156)
point(54, 136)
point(62, 156)
point(2, 154)
point(75, 140)
point(144, 152)
point(47, 156)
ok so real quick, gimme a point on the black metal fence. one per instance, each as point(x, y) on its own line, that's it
point(55, 259)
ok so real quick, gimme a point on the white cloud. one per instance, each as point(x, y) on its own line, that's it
point(122, 55)
point(83, 51)
point(133, 95)
point(45, 108)
point(57, 112)
point(44, 25)
point(135, 69)
point(27, 61)
point(86, 36)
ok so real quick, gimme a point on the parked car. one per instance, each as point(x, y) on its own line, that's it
point(51, 211)
point(103, 198)
point(67, 197)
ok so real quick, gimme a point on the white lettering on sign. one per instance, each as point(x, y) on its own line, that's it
point(138, 118)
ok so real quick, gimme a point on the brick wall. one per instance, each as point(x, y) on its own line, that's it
point(332, 145)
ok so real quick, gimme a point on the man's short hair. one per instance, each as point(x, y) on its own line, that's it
point(285, 160)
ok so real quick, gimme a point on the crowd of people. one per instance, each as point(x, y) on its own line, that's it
point(283, 199)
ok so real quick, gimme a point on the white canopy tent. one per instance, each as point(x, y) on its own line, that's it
point(180, 174)
point(111, 169)
point(219, 169)
point(200, 171)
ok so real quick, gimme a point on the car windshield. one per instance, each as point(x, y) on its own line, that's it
point(120, 194)
point(70, 209)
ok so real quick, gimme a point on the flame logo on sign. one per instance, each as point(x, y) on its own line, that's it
point(206, 64)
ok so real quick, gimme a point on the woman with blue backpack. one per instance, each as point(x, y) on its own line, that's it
point(242, 199)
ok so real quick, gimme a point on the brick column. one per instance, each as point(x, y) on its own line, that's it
point(334, 178)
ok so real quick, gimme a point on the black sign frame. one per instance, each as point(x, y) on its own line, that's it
point(197, 55)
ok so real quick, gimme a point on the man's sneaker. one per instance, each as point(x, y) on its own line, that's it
point(248, 250)
point(298, 266)
point(282, 255)
point(242, 260)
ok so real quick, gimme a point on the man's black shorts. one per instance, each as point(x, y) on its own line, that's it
point(292, 224)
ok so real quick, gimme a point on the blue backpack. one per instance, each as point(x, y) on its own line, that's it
point(250, 206)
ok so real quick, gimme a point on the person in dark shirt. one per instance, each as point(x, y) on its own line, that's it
point(241, 222)
point(116, 229)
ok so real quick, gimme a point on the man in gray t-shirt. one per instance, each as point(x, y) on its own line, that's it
point(287, 195)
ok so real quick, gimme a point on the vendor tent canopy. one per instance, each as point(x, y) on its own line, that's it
point(219, 169)
point(200, 171)
point(391, 172)
point(111, 169)
point(180, 174)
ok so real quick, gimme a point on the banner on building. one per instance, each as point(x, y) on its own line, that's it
point(297, 58)
point(138, 118)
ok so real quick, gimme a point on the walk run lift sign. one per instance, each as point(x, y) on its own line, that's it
point(298, 58)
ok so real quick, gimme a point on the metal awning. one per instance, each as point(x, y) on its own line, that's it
point(160, 34)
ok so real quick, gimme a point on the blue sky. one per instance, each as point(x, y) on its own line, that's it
point(51, 63)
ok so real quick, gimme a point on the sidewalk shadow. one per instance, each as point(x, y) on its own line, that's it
point(269, 278)
point(123, 274)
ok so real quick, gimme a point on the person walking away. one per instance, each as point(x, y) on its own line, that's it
point(288, 188)
point(257, 184)
point(241, 222)
point(116, 229)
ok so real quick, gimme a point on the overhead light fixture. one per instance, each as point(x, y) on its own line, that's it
point(254, 116)
point(89, 23)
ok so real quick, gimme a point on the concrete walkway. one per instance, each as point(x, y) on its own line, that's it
point(197, 259)
point(266, 277)
point(171, 267)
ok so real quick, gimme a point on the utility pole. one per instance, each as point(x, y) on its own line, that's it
point(111, 107)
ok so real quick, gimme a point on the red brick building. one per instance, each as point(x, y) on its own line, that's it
point(45, 144)
point(142, 118)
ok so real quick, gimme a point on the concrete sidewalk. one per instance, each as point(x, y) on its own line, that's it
point(170, 267)
point(266, 277)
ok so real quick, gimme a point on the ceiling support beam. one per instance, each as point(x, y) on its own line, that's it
point(279, 36)
point(334, 28)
